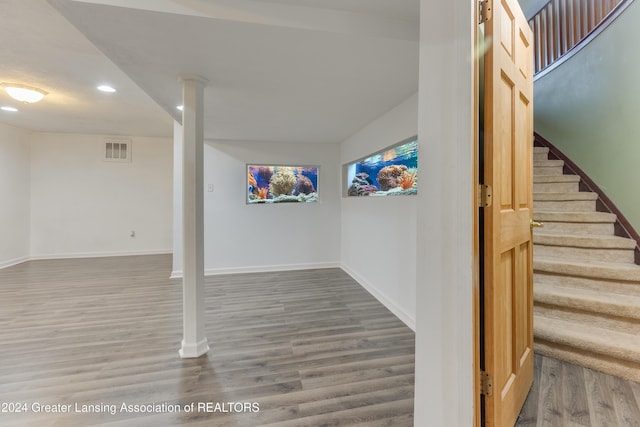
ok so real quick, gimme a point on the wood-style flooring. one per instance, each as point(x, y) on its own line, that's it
point(566, 395)
point(310, 348)
point(306, 348)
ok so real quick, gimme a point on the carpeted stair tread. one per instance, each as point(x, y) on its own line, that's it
point(555, 178)
point(583, 241)
point(577, 195)
point(590, 300)
point(587, 217)
point(598, 362)
point(540, 153)
point(547, 163)
point(614, 286)
point(599, 270)
point(602, 320)
point(589, 338)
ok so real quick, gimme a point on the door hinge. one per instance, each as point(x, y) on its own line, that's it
point(486, 384)
point(485, 11)
point(484, 195)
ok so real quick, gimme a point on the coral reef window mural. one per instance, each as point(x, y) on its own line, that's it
point(279, 184)
point(390, 172)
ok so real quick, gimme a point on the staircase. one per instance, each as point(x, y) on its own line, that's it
point(586, 284)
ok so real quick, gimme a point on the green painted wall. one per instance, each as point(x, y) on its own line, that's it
point(589, 107)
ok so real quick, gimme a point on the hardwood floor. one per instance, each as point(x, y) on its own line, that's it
point(306, 348)
point(566, 395)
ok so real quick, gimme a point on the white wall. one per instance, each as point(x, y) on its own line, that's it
point(444, 393)
point(245, 238)
point(84, 206)
point(14, 195)
point(378, 233)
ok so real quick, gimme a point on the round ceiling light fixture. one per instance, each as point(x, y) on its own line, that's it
point(24, 93)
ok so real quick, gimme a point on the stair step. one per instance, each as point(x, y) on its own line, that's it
point(622, 324)
point(547, 170)
point(571, 196)
point(618, 256)
point(595, 223)
point(588, 337)
point(556, 184)
point(608, 365)
point(564, 205)
point(586, 241)
point(572, 202)
point(555, 178)
point(590, 269)
point(548, 163)
point(598, 343)
point(579, 247)
point(556, 187)
point(589, 300)
point(540, 153)
point(577, 217)
point(547, 167)
point(594, 283)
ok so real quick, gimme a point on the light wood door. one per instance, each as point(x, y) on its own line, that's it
point(508, 169)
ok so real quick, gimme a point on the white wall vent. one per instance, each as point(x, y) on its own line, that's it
point(117, 150)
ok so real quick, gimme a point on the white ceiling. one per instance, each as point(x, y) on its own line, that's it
point(407, 10)
point(39, 47)
point(278, 70)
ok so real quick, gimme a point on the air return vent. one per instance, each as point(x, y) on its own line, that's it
point(117, 150)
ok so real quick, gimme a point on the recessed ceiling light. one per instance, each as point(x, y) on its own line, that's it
point(24, 93)
point(180, 107)
point(13, 110)
point(106, 88)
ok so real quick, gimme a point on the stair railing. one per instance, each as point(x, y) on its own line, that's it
point(561, 27)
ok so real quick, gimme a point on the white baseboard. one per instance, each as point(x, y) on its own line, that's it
point(408, 320)
point(177, 274)
point(15, 261)
point(98, 254)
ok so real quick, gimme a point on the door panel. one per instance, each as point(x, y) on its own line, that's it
point(508, 278)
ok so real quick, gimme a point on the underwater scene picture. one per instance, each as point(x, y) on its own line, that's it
point(279, 184)
point(391, 172)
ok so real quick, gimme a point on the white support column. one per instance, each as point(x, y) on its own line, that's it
point(194, 341)
point(176, 271)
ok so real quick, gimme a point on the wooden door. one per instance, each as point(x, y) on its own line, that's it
point(508, 170)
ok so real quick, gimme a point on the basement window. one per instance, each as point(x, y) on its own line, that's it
point(117, 150)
